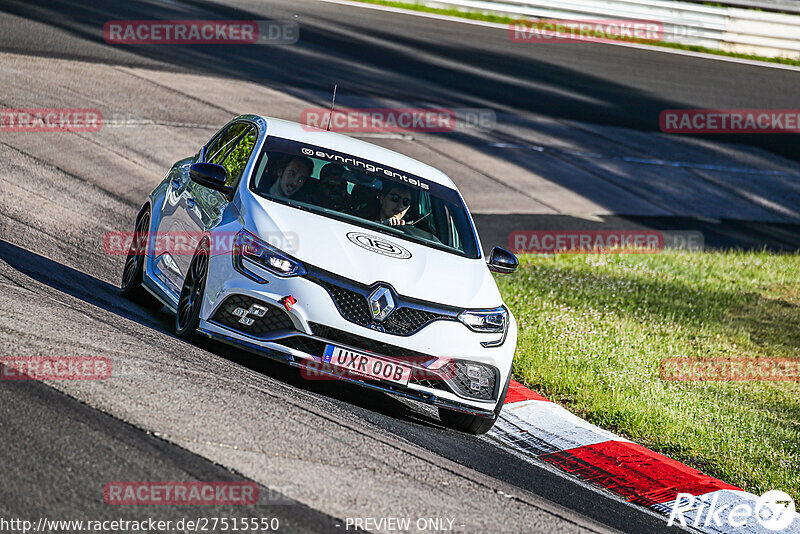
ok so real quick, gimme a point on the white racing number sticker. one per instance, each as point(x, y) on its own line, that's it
point(379, 245)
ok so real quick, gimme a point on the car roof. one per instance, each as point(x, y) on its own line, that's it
point(354, 147)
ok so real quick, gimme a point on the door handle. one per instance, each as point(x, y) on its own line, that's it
point(175, 183)
point(189, 203)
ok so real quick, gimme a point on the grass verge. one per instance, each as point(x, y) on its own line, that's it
point(501, 19)
point(594, 329)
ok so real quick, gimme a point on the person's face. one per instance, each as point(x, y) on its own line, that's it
point(395, 203)
point(293, 177)
point(334, 186)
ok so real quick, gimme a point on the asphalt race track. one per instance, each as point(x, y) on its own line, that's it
point(575, 143)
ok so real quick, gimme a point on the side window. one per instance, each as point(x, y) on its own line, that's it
point(260, 173)
point(237, 158)
point(220, 147)
point(213, 143)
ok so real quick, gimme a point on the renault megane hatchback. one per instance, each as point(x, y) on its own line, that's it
point(334, 255)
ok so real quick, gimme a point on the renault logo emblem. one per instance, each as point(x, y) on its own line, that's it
point(381, 303)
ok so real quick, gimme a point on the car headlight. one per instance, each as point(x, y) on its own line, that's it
point(492, 320)
point(248, 246)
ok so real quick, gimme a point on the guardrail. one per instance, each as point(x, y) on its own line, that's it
point(785, 6)
point(746, 31)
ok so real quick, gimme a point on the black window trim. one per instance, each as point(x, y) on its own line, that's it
point(202, 155)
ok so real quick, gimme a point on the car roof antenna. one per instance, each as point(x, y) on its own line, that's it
point(333, 101)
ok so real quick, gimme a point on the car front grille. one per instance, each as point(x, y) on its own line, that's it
point(409, 317)
point(366, 344)
point(316, 347)
point(353, 306)
point(305, 344)
point(433, 383)
point(273, 320)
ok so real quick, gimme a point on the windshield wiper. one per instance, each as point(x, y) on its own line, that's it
point(412, 223)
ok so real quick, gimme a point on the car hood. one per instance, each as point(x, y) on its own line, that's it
point(367, 256)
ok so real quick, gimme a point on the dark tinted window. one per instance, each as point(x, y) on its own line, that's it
point(364, 193)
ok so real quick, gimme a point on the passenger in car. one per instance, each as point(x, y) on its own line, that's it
point(291, 176)
point(333, 188)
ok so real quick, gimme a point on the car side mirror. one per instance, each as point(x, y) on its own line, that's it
point(502, 261)
point(212, 176)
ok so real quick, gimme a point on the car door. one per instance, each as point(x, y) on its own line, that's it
point(202, 208)
point(190, 208)
point(170, 225)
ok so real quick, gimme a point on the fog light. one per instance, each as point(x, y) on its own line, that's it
point(473, 371)
point(473, 380)
point(477, 382)
point(239, 312)
point(247, 321)
point(258, 310)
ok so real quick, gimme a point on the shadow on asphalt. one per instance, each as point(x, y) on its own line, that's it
point(381, 410)
point(106, 296)
point(370, 60)
point(66, 432)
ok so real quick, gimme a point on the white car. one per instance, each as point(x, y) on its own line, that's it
point(337, 256)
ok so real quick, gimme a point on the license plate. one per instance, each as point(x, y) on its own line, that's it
point(367, 365)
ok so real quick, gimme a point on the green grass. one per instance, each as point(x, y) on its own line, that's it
point(501, 19)
point(594, 328)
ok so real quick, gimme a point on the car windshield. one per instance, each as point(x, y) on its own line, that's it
point(364, 193)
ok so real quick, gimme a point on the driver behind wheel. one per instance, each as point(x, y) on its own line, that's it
point(394, 200)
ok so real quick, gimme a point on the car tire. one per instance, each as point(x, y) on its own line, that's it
point(473, 424)
point(132, 287)
point(191, 300)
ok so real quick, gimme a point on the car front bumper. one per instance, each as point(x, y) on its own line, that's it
point(316, 321)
